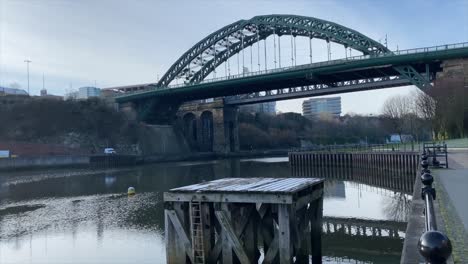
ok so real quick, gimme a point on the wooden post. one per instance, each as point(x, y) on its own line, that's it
point(208, 228)
point(284, 242)
point(227, 249)
point(250, 235)
point(303, 233)
point(172, 255)
point(316, 212)
point(182, 212)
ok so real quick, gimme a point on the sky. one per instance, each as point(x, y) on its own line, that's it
point(122, 42)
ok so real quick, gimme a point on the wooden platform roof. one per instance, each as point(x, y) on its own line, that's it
point(250, 186)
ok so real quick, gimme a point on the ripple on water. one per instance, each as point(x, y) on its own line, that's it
point(13, 210)
point(68, 214)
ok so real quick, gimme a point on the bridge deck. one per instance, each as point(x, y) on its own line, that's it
point(353, 68)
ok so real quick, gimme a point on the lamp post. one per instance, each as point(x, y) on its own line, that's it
point(27, 66)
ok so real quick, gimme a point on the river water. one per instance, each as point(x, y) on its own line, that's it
point(85, 216)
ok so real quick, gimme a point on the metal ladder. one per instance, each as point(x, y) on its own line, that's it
point(197, 233)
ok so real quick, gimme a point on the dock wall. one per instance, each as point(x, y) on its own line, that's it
point(305, 163)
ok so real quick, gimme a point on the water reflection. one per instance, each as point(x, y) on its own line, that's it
point(83, 216)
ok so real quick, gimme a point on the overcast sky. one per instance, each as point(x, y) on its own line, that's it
point(122, 42)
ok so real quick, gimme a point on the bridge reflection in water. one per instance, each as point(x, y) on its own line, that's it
point(353, 239)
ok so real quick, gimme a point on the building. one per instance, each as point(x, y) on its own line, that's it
point(46, 95)
point(314, 107)
point(12, 91)
point(88, 91)
point(71, 95)
point(266, 108)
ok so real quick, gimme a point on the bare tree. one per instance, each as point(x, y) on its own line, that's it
point(425, 108)
point(425, 105)
point(396, 111)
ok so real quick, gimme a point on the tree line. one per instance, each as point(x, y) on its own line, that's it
point(88, 124)
point(438, 113)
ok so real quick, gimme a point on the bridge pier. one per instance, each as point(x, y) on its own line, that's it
point(210, 126)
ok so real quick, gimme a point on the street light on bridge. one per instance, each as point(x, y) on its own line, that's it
point(27, 66)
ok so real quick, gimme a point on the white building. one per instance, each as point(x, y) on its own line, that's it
point(315, 106)
point(88, 91)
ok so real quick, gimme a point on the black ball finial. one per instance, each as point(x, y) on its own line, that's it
point(424, 164)
point(427, 179)
point(435, 247)
point(425, 171)
point(424, 156)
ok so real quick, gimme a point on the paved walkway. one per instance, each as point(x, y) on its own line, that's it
point(453, 201)
point(455, 181)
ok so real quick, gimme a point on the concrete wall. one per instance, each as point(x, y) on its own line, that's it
point(161, 140)
point(47, 161)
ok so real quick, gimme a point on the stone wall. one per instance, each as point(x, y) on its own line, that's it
point(210, 126)
point(457, 68)
point(45, 161)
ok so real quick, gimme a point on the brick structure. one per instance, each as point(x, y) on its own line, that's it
point(210, 126)
point(454, 69)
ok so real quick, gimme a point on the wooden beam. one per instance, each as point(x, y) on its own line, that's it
point(215, 252)
point(182, 213)
point(231, 236)
point(262, 209)
point(208, 228)
point(229, 198)
point(180, 232)
point(272, 250)
point(316, 212)
point(267, 229)
point(227, 248)
point(302, 249)
point(250, 237)
point(284, 242)
point(172, 256)
point(306, 199)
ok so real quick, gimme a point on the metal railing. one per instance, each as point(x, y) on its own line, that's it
point(319, 64)
point(434, 246)
point(332, 62)
point(389, 147)
point(434, 150)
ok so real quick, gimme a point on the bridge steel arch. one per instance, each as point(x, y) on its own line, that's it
point(203, 58)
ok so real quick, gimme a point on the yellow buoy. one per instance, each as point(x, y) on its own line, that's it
point(131, 191)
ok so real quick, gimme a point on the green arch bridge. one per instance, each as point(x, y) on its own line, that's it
point(377, 67)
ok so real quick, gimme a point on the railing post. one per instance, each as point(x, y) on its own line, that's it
point(433, 245)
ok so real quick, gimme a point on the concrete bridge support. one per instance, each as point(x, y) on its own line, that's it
point(210, 126)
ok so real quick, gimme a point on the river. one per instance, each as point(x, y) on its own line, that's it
point(84, 215)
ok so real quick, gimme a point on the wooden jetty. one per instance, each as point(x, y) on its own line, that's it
point(233, 220)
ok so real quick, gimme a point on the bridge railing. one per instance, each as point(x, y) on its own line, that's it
point(433, 245)
point(316, 65)
point(332, 62)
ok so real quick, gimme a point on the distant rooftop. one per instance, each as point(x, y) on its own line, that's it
point(6, 90)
